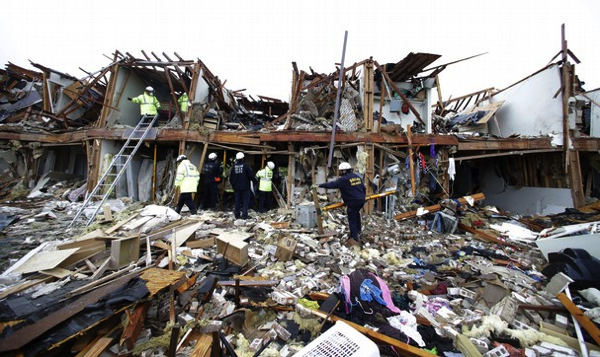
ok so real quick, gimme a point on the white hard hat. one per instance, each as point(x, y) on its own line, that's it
point(181, 158)
point(212, 156)
point(344, 166)
point(270, 165)
point(149, 89)
point(239, 156)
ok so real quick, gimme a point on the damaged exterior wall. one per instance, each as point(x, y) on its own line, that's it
point(594, 115)
point(225, 122)
point(531, 108)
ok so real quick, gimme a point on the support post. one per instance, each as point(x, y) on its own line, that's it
point(337, 101)
point(368, 99)
point(413, 186)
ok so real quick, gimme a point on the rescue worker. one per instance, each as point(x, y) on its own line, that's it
point(228, 194)
point(184, 103)
point(265, 187)
point(186, 180)
point(212, 171)
point(353, 192)
point(241, 176)
point(148, 104)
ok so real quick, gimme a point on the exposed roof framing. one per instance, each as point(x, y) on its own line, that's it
point(410, 66)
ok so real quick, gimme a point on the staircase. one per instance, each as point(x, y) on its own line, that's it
point(115, 170)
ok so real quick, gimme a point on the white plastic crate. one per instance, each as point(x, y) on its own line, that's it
point(306, 215)
point(341, 340)
point(499, 351)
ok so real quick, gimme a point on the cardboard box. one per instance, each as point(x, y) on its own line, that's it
point(285, 249)
point(233, 247)
point(201, 243)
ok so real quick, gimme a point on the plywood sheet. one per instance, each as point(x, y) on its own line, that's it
point(45, 260)
point(182, 234)
point(158, 279)
point(490, 108)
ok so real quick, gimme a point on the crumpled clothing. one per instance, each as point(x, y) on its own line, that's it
point(407, 323)
point(451, 168)
point(368, 292)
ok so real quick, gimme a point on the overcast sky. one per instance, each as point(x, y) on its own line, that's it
point(251, 44)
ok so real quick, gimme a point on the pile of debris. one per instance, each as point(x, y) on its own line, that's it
point(147, 281)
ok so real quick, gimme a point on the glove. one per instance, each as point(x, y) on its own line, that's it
point(313, 186)
point(129, 99)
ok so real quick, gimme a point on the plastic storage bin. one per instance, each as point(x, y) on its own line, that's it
point(341, 340)
point(306, 215)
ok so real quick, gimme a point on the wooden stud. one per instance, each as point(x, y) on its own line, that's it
point(134, 325)
point(318, 208)
point(575, 179)
point(413, 186)
point(368, 99)
point(583, 320)
point(203, 346)
point(291, 168)
point(173, 341)
point(369, 175)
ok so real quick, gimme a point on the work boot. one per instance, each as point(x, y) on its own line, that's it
point(353, 243)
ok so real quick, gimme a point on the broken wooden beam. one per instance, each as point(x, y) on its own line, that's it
point(484, 236)
point(435, 208)
point(28, 333)
point(135, 322)
point(203, 346)
point(583, 320)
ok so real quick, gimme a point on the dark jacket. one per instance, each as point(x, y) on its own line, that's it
point(351, 187)
point(241, 175)
point(211, 170)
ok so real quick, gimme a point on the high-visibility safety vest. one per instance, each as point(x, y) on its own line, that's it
point(148, 104)
point(184, 102)
point(265, 177)
point(187, 177)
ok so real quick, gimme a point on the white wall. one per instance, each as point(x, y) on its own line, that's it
point(595, 113)
point(524, 200)
point(201, 95)
point(530, 108)
point(127, 85)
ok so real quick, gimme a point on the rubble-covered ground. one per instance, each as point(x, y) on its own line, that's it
point(270, 285)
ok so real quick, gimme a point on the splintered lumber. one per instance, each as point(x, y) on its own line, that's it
point(583, 320)
point(485, 237)
point(134, 325)
point(173, 341)
point(435, 208)
point(86, 249)
point(97, 347)
point(187, 284)
point(100, 270)
point(405, 348)
point(316, 201)
point(368, 198)
point(28, 333)
point(254, 283)
point(203, 346)
point(45, 260)
point(158, 279)
point(181, 234)
point(25, 284)
point(117, 226)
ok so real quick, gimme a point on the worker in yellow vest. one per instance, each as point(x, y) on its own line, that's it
point(148, 103)
point(265, 187)
point(186, 180)
point(184, 103)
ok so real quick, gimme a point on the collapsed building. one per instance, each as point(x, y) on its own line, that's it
point(536, 135)
point(529, 148)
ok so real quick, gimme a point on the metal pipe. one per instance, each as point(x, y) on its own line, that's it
point(337, 100)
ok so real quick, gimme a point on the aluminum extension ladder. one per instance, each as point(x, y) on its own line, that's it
point(120, 162)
